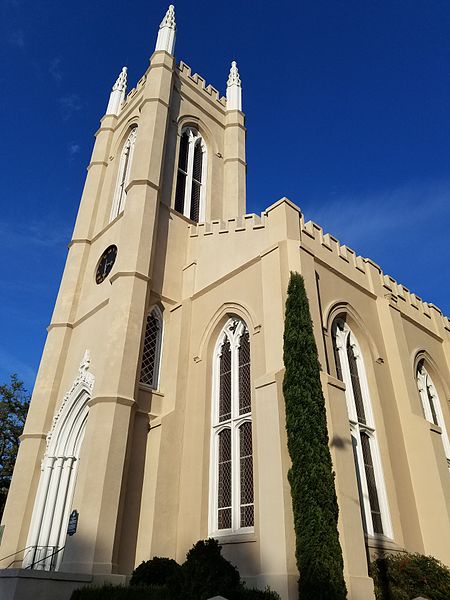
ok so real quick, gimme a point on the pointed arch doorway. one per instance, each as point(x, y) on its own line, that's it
point(53, 502)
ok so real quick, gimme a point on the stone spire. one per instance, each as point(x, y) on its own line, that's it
point(166, 33)
point(118, 93)
point(234, 89)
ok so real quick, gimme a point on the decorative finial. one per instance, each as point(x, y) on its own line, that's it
point(234, 89)
point(85, 362)
point(121, 83)
point(233, 77)
point(166, 33)
point(118, 93)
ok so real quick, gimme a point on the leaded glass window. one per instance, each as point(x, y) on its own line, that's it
point(232, 502)
point(151, 354)
point(431, 405)
point(190, 187)
point(351, 370)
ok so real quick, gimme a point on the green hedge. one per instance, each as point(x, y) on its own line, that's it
point(405, 576)
point(204, 574)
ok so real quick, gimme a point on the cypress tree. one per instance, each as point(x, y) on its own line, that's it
point(314, 502)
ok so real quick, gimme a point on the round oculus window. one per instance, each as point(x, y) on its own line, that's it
point(105, 264)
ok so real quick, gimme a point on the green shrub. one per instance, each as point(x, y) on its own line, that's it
point(405, 576)
point(204, 574)
point(119, 592)
point(156, 571)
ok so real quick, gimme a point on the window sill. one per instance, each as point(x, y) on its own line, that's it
point(382, 542)
point(235, 538)
point(435, 428)
point(148, 388)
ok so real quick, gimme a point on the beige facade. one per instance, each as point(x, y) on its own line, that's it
point(141, 463)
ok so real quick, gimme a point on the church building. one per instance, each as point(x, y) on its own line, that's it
point(157, 417)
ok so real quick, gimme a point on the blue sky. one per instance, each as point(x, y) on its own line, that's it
point(347, 105)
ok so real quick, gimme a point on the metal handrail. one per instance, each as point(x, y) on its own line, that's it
point(14, 554)
point(45, 557)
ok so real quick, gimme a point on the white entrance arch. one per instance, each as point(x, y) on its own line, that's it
point(48, 529)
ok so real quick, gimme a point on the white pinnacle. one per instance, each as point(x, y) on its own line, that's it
point(234, 89)
point(118, 93)
point(166, 33)
point(121, 83)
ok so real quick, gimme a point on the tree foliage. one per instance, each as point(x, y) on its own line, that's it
point(318, 551)
point(14, 402)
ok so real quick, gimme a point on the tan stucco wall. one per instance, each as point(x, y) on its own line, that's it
point(143, 480)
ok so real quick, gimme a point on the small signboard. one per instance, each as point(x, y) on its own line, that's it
point(73, 522)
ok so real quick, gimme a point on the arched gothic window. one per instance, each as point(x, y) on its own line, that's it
point(231, 491)
point(190, 190)
point(53, 502)
point(123, 175)
point(151, 355)
point(431, 404)
point(350, 369)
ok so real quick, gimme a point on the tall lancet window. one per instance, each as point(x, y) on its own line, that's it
point(350, 369)
point(231, 489)
point(431, 405)
point(123, 176)
point(151, 355)
point(191, 189)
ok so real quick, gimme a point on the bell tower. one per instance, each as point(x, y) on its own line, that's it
point(168, 153)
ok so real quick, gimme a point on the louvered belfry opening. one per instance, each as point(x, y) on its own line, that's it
point(232, 487)
point(190, 177)
point(182, 172)
point(196, 182)
point(152, 349)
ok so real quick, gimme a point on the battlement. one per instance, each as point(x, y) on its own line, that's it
point(140, 84)
point(395, 292)
point(247, 222)
point(365, 271)
point(185, 72)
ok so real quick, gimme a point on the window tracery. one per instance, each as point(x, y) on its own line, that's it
point(232, 495)
point(350, 369)
point(151, 355)
point(431, 404)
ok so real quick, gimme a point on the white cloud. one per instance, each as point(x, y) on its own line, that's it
point(69, 105)
point(73, 148)
point(55, 69)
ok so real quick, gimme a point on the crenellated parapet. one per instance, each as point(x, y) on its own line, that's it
point(327, 250)
point(247, 222)
point(185, 73)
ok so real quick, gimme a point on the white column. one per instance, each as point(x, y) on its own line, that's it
point(49, 510)
point(38, 511)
